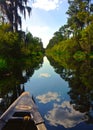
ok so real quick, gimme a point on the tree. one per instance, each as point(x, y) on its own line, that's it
point(55, 39)
point(77, 34)
point(65, 31)
point(33, 45)
point(10, 42)
point(62, 34)
point(11, 9)
point(78, 15)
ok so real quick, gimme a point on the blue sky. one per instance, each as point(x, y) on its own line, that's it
point(46, 18)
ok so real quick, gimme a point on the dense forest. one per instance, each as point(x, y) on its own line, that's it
point(16, 44)
point(74, 40)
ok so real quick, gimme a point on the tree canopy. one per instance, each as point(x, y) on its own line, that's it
point(76, 36)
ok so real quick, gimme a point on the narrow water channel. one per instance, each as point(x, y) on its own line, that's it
point(51, 93)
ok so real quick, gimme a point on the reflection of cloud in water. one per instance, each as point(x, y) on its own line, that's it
point(50, 96)
point(65, 115)
point(46, 75)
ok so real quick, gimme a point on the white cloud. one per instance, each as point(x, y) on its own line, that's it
point(50, 96)
point(43, 32)
point(47, 4)
point(65, 115)
point(46, 75)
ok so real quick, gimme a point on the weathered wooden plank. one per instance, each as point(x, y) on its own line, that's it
point(41, 126)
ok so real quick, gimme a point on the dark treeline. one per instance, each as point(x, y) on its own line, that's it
point(15, 43)
point(20, 53)
point(75, 38)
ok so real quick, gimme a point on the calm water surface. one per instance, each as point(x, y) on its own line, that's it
point(51, 94)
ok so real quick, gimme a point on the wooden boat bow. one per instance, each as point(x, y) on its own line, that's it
point(23, 109)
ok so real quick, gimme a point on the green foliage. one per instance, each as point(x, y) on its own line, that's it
point(9, 43)
point(3, 64)
point(5, 28)
point(77, 34)
point(62, 34)
point(79, 56)
point(12, 44)
point(33, 46)
point(86, 40)
point(65, 48)
point(91, 55)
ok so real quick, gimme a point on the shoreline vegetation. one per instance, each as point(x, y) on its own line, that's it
point(74, 40)
point(15, 44)
point(15, 48)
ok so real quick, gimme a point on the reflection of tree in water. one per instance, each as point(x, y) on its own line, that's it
point(80, 80)
point(12, 82)
point(81, 85)
point(63, 72)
